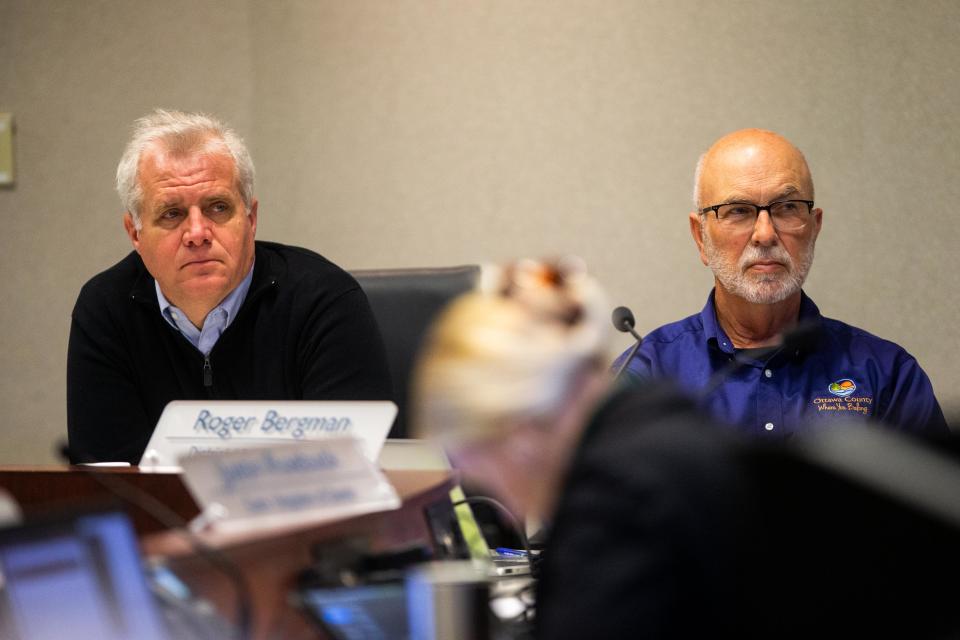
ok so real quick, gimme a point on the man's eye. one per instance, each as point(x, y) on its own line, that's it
point(170, 214)
point(740, 211)
point(219, 207)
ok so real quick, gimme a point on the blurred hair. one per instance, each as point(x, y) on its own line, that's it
point(180, 133)
point(511, 350)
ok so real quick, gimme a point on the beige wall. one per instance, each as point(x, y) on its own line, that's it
point(397, 133)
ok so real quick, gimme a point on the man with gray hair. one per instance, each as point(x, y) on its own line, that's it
point(755, 226)
point(201, 310)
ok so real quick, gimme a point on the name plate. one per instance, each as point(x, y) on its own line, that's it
point(265, 488)
point(191, 427)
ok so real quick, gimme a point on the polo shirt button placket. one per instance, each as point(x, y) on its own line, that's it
point(768, 374)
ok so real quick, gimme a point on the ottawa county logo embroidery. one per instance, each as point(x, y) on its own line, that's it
point(842, 388)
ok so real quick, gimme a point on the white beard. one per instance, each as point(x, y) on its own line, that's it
point(762, 288)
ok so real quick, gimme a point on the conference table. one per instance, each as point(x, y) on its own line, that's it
point(269, 561)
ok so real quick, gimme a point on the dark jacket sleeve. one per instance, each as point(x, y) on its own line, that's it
point(643, 531)
point(106, 420)
point(342, 355)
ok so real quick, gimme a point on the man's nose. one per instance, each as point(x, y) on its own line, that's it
point(197, 231)
point(764, 233)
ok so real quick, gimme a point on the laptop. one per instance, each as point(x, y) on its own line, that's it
point(362, 612)
point(202, 426)
point(83, 573)
point(78, 577)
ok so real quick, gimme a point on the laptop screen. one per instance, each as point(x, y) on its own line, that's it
point(79, 578)
point(366, 612)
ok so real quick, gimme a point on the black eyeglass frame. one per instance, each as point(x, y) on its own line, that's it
point(716, 213)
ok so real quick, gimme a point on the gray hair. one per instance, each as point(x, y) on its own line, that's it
point(180, 133)
point(696, 181)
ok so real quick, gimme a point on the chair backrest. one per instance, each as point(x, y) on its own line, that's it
point(405, 302)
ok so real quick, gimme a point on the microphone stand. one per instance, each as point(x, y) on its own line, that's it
point(623, 321)
point(626, 361)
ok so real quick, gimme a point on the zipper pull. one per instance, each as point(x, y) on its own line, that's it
point(207, 372)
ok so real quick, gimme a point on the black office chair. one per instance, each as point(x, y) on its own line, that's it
point(405, 302)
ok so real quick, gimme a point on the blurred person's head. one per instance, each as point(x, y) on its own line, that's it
point(509, 376)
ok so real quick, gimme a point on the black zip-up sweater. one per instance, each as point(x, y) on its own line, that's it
point(304, 332)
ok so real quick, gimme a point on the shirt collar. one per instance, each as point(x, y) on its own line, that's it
point(230, 305)
point(712, 331)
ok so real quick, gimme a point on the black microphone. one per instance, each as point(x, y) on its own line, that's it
point(801, 337)
point(623, 321)
point(132, 494)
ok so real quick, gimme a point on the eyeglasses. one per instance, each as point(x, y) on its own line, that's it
point(786, 215)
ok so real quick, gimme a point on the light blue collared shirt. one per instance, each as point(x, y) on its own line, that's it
point(216, 321)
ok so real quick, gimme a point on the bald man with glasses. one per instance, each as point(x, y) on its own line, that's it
point(755, 225)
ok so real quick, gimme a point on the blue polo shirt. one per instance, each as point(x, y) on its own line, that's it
point(845, 374)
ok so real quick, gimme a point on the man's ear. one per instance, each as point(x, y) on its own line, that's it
point(253, 216)
point(131, 230)
point(696, 230)
point(818, 218)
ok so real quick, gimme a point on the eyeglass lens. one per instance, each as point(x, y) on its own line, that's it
point(791, 215)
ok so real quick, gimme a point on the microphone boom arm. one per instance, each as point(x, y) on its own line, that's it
point(623, 321)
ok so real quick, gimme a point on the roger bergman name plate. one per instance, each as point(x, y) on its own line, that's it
point(190, 427)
